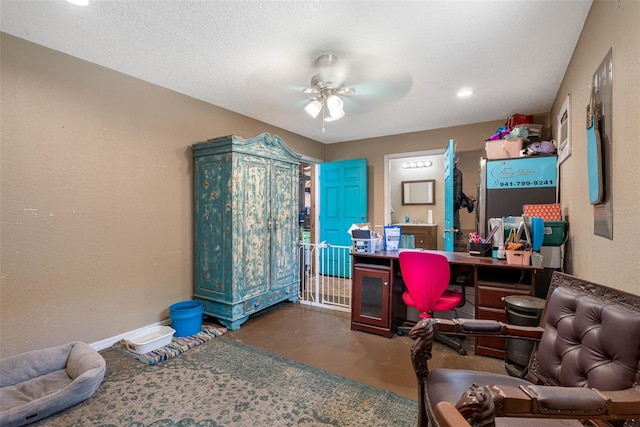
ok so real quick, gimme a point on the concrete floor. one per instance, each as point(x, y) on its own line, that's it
point(323, 338)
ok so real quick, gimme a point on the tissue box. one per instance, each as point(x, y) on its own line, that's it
point(367, 246)
point(363, 246)
point(503, 148)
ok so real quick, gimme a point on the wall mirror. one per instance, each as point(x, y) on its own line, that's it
point(420, 192)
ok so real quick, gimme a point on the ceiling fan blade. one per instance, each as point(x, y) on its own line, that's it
point(363, 83)
point(379, 93)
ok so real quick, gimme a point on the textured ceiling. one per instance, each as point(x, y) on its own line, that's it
point(404, 59)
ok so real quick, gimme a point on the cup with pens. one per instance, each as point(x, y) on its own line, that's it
point(479, 246)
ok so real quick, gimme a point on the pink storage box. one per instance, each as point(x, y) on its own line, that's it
point(503, 148)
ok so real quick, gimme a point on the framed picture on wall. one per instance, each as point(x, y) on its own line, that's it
point(564, 131)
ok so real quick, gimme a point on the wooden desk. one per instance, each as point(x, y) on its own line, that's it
point(377, 289)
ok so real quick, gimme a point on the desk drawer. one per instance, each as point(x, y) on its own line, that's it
point(491, 314)
point(492, 296)
point(490, 346)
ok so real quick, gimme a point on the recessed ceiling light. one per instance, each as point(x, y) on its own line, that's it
point(79, 2)
point(463, 93)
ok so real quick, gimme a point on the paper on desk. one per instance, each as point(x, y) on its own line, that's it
point(363, 226)
point(376, 239)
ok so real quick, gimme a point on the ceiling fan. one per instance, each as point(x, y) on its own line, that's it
point(373, 84)
point(326, 88)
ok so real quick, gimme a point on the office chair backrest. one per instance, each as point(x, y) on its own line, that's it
point(426, 276)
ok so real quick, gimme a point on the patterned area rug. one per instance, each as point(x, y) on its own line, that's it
point(177, 346)
point(227, 383)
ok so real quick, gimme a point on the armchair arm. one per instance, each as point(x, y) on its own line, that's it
point(561, 401)
point(481, 405)
point(480, 327)
point(422, 334)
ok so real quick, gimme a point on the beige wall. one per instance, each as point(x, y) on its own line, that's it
point(614, 262)
point(468, 138)
point(96, 184)
point(96, 195)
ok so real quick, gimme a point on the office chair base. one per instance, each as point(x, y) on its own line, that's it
point(402, 330)
point(449, 342)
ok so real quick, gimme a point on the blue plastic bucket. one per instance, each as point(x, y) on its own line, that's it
point(186, 317)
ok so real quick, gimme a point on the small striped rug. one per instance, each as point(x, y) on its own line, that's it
point(177, 346)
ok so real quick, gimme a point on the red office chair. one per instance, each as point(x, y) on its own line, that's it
point(426, 276)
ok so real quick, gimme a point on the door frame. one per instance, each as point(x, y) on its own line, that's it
point(387, 173)
point(315, 203)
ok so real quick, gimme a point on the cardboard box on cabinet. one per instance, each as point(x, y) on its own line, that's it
point(503, 148)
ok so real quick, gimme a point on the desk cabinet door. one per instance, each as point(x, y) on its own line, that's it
point(371, 294)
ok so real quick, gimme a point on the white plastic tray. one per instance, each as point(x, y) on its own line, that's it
point(149, 339)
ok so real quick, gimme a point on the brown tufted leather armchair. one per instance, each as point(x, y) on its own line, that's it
point(585, 367)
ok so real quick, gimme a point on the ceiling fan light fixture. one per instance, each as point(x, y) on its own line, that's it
point(334, 102)
point(334, 105)
point(313, 108)
point(335, 115)
point(326, 90)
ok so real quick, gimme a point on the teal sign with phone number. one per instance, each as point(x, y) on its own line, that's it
point(524, 172)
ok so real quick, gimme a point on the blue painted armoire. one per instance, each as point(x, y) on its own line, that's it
point(245, 225)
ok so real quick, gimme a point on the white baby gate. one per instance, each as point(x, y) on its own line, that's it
point(325, 279)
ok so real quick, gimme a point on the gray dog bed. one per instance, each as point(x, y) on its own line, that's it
point(39, 383)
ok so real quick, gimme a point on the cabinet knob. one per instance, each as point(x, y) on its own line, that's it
point(386, 283)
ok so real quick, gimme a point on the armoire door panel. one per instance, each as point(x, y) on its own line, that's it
point(210, 254)
point(284, 204)
point(253, 220)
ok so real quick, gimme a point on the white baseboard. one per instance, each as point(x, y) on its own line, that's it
point(108, 342)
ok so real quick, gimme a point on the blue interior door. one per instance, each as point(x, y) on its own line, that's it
point(343, 202)
point(449, 165)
